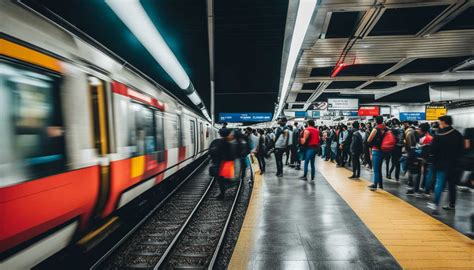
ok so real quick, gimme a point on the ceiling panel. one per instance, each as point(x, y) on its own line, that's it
point(380, 85)
point(302, 97)
point(310, 86)
point(424, 65)
point(465, 20)
point(364, 69)
point(344, 84)
point(342, 24)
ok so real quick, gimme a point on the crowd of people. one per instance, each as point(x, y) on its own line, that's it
point(431, 155)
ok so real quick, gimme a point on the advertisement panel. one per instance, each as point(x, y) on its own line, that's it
point(385, 111)
point(300, 114)
point(412, 116)
point(343, 104)
point(369, 111)
point(245, 117)
point(434, 112)
point(350, 113)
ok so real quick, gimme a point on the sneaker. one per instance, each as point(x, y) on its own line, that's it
point(279, 175)
point(303, 178)
point(410, 192)
point(427, 196)
point(352, 177)
point(449, 207)
point(419, 195)
point(298, 168)
point(372, 187)
point(432, 206)
point(389, 176)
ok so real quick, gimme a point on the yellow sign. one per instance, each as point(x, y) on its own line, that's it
point(434, 112)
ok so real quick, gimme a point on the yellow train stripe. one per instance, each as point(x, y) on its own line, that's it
point(96, 232)
point(241, 258)
point(25, 54)
point(102, 119)
point(138, 166)
point(415, 239)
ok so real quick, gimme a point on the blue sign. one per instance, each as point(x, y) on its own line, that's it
point(245, 117)
point(300, 114)
point(412, 116)
point(350, 113)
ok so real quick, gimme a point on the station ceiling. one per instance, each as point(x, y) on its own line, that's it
point(392, 49)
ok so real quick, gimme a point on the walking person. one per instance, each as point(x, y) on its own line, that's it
point(447, 146)
point(281, 143)
point(311, 142)
point(356, 150)
point(375, 140)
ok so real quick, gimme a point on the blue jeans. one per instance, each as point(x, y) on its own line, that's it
point(439, 187)
point(309, 159)
point(377, 157)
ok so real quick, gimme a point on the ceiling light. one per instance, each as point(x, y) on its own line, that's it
point(303, 18)
point(133, 15)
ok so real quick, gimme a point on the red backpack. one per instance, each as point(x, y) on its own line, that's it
point(388, 142)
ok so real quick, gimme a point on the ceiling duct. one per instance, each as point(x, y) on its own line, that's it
point(451, 93)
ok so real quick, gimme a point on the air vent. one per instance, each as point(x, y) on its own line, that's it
point(321, 72)
point(420, 93)
point(424, 65)
point(310, 86)
point(405, 21)
point(380, 85)
point(297, 106)
point(364, 69)
point(462, 21)
point(302, 97)
point(344, 84)
point(342, 24)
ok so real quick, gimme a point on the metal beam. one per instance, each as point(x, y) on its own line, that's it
point(210, 34)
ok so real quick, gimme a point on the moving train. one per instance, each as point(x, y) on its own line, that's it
point(81, 136)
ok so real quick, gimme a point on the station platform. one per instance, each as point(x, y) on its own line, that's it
point(337, 223)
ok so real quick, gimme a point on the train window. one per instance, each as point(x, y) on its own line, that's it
point(201, 136)
point(144, 133)
point(174, 129)
point(160, 135)
point(193, 131)
point(31, 123)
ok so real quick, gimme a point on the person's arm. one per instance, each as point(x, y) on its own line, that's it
point(305, 137)
point(372, 135)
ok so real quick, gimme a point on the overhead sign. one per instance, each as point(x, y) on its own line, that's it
point(350, 113)
point(343, 104)
point(434, 112)
point(369, 110)
point(412, 116)
point(385, 110)
point(245, 117)
point(300, 114)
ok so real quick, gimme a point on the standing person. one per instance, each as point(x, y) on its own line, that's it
point(424, 147)
point(281, 142)
point(469, 166)
point(387, 156)
point(289, 146)
point(261, 151)
point(375, 140)
point(356, 150)
point(367, 150)
point(270, 139)
point(340, 152)
point(294, 148)
point(447, 147)
point(412, 162)
point(397, 151)
point(346, 145)
point(311, 142)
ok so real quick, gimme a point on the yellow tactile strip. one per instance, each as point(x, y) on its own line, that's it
point(241, 258)
point(415, 239)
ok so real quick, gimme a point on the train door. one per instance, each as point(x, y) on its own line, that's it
point(101, 134)
point(193, 136)
point(201, 137)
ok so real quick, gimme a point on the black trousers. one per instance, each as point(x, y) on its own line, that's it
point(293, 156)
point(386, 158)
point(396, 155)
point(345, 156)
point(221, 183)
point(261, 161)
point(356, 164)
point(279, 159)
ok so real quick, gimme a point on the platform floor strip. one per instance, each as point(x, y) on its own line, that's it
point(241, 258)
point(415, 239)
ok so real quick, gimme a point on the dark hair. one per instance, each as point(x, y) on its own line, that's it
point(379, 119)
point(355, 124)
point(283, 119)
point(395, 121)
point(425, 127)
point(224, 132)
point(447, 119)
point(310, 122)
point(260, 131)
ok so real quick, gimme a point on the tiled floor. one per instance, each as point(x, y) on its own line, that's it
point(295, 224)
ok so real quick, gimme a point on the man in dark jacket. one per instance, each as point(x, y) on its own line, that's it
point(446, 148)
point(356, 148)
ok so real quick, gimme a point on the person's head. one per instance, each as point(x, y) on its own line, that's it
point(356, 125)
point(395, 122)
point(379, 119)
point(290, 128)
point(282, 121)
point(445, 121)
point(224, 124)
point(248, 130)
point(261, 132)
point(310, 123)
point(226, 133)
point(296, 125)
point(407, 123)
point(423, 128)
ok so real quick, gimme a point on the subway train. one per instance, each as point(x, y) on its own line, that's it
point(81, 136)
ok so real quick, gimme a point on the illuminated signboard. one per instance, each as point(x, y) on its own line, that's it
point(300, 114)
point(245, 117)
point(343, 104)
point(434, 112)
point(412, 116)
point(369, 111)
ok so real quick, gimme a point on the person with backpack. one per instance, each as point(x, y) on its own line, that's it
point(375, 141)
point(396, 154)
point(446, 147)
point(356, 149)
point(311, 142)
point(281, 143)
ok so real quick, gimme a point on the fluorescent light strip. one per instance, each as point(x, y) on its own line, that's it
point(133, 15)
point(194, 97)
point(303, 18)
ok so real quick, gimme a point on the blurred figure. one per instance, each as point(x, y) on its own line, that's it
point(447, 147)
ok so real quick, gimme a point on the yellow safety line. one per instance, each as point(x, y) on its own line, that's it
point(94, 233)
point(243, 249)
point(415, 239)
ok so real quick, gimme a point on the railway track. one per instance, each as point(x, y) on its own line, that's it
point(184, 231)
